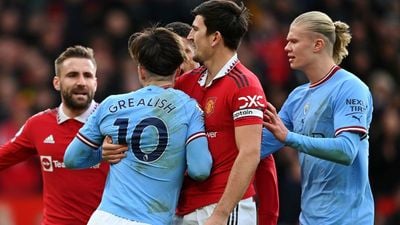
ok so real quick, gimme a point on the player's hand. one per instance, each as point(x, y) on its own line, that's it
point(112, 153)
point(273, 123)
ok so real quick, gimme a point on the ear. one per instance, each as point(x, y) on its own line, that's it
point(319, 44)
point(141, 72)
point(56, 82)
point(216, 38)
point(95, 86)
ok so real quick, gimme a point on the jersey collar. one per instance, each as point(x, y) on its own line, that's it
point(224, 70)
point(62, 117)
point(326, 77)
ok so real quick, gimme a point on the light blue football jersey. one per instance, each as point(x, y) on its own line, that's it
point(332, 193)
point(157, 124)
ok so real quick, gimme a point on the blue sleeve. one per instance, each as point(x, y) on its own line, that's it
point(79, 155)
point(353, 107)
point(340, 149)
point(269, 144)
point(199, 160)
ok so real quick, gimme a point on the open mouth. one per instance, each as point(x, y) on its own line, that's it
point(80, 94)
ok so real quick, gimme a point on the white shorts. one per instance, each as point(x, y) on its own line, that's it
point(100, 218)
point(245, 213)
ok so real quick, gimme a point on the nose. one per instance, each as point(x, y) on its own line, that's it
point(190, 35)
point(286, 48)
point(81, 80)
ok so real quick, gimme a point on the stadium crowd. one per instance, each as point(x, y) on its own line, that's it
point(33, 33)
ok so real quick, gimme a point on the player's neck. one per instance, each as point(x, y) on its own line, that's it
point(72, 113)
point(217, 61)
point(163, 84)
point(319, 70)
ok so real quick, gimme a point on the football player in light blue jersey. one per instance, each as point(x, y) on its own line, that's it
point(163, 129)
point(327, 122)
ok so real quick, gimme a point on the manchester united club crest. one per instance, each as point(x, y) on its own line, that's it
point(209, 106)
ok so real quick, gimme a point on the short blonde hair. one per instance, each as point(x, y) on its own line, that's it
point(337, 33)
point(76, 51)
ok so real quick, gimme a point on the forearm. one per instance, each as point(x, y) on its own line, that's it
point(341, 149)
point(78, 155)
point(248, 142)
point(239, 179)
point(199, 160)
point(269, 144)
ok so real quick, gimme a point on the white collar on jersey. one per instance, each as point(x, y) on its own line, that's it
point(61, 117)
point(225, 70)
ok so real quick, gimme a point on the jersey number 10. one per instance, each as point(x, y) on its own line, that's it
point(147, 156)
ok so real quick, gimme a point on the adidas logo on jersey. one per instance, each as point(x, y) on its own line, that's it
point(49, 140)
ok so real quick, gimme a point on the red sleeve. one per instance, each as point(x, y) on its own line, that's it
point(248, 106)
point(18, 149)
point(266, 185)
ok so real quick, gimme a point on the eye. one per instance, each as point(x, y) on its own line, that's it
point(88, 75)
point(71, 74)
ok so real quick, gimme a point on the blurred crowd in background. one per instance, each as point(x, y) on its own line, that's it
point(33, 33)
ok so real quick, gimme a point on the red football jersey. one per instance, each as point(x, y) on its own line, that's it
point(234, 98)
point(69, 196)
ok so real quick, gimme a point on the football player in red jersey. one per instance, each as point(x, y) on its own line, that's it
point(69, 196)
point(266, 183)
point(232, 99)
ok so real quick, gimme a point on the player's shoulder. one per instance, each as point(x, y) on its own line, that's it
point(190, 78)
point(242, 77)
point(41, 118)
point(179, 95)
point(45, 114)
point(193, 74)
point(349, 80)
point(191, 105)
point(299, 91)
point(198, 71)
